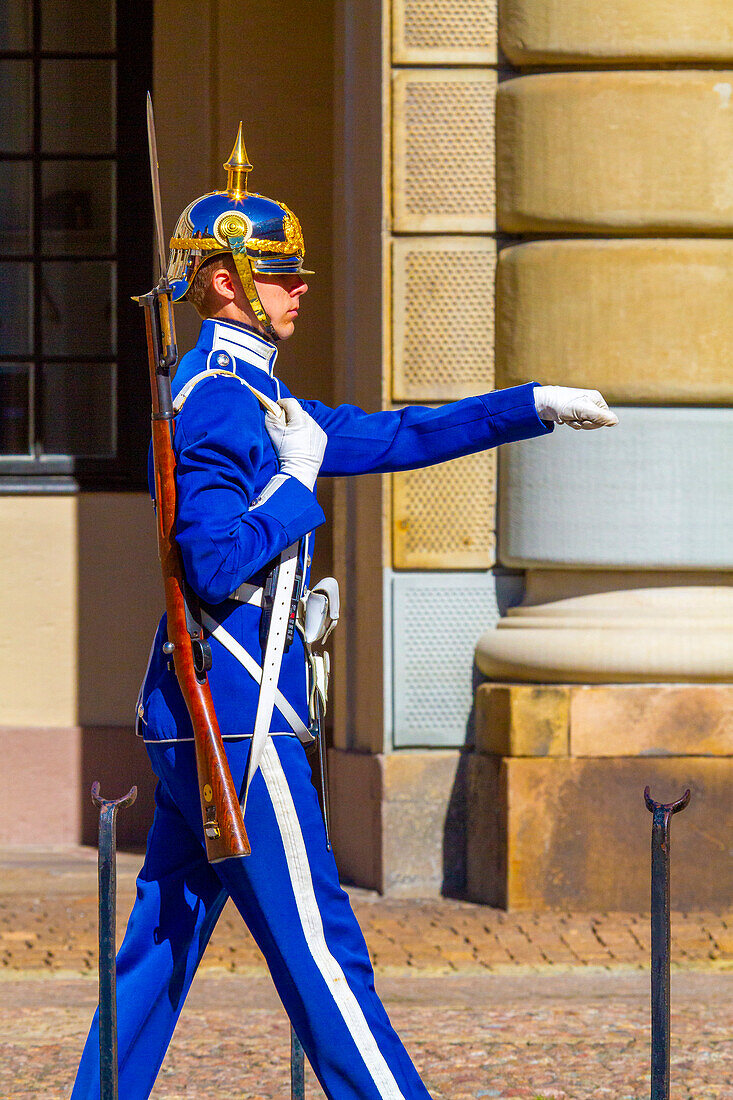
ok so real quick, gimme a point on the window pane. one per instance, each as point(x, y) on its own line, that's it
point(78, 406)
point(15, 25)
point(78, 308)
point(16, 324)
point(14, 408)
point(78, 26)
point(78, 207)
point(16, 116)
point(77, 106)
point(16, 204)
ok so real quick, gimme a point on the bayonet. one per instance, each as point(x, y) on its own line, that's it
point(155, 182)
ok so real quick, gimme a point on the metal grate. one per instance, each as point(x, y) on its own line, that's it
point(443, 516)
point(434, 280)
point(437, 621)
point(426, 31)
point(444, 151)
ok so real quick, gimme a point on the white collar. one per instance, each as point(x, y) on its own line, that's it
point(244, 344)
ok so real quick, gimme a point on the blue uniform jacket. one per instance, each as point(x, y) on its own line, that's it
point(227, 536)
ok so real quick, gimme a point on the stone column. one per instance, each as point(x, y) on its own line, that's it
point(616, 188)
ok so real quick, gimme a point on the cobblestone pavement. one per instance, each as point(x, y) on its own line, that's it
point(48, 923)
point(489, 1004)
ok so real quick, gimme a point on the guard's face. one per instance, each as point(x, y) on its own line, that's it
point(280, 296)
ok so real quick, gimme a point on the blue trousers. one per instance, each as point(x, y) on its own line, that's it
point(289, 895)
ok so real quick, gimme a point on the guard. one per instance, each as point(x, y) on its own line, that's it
point(247, 510)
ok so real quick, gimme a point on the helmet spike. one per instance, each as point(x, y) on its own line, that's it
point(238, 167)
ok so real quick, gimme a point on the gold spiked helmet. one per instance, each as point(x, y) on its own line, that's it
point(263, 235)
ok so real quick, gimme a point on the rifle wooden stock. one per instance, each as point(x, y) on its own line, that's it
point(224, 830)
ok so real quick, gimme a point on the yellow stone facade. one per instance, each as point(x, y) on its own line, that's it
point(587, 206)
point(615, 189)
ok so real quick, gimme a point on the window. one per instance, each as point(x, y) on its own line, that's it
point(75, 243)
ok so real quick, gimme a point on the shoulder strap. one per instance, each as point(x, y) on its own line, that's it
point(267, 403)
point(186, 390)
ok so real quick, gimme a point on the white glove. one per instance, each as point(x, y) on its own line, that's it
point(299, 441)
point(578, 408)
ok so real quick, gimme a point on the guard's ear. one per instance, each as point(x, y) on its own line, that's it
point(223, 284)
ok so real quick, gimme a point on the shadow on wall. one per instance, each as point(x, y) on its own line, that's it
point(509, 592)
point(120, 600)
point(455, 833)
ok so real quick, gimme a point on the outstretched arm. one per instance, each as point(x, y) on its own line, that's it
point(416, 436)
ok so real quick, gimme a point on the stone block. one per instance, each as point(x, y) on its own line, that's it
point(436, 621)
point(423, 823)
point(522, 720)
point(570, 32)
point(431, 32)
point(443, 160)
point(568, 314)
point(355, 787)
point(398, 820)
point(614, 626)
point(568, 833)
point(651, 720)
point(619, 152)
point(486, 836)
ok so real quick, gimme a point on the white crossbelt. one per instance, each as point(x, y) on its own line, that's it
point(247, 661)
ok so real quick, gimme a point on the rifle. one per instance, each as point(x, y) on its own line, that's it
point(224, 831)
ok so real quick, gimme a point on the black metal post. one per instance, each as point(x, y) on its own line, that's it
point(297, 1068)
point(660, 928)
point(107, 864)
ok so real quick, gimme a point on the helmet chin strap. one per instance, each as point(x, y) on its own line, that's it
point(244, 270)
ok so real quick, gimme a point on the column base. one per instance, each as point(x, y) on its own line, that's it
point(623, 627)
point(556, 813)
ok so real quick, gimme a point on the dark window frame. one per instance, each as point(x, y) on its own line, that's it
point(127, 468)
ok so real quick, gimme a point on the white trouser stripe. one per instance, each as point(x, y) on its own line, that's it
point(248, 662)
point(310, 919)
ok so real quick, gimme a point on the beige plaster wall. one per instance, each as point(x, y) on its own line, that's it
point(217, 63)
point(81, 598)
point(81, 593)
point(214, 64)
